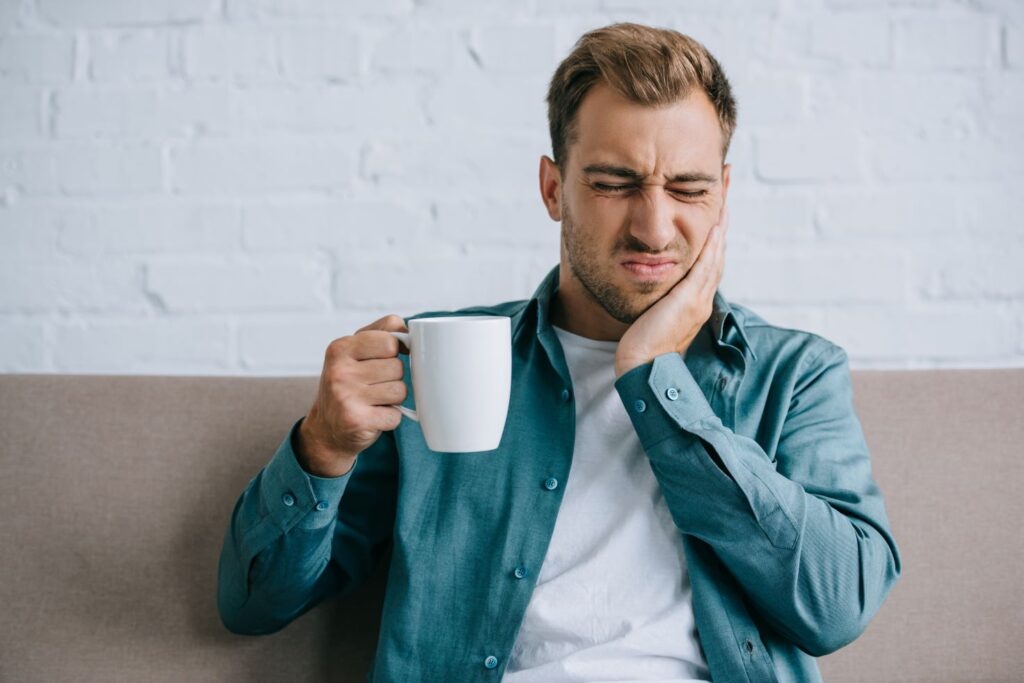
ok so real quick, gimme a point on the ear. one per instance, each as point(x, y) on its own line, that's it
point(725, 181)
point(551, 187)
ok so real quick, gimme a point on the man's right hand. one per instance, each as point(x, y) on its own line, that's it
point(360, 384)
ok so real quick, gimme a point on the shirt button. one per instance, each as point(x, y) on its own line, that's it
point(565, 395)
point(491, 662)
point(288, 499)
point(750, 646)
point(520, 572)
point(672, 393)
point(551, 483)
point(722, 382)
point(322, 505)
point(639, 405)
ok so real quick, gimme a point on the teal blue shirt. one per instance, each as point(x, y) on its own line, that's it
point(751, 434)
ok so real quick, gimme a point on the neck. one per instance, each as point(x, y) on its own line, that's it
point(574, 310)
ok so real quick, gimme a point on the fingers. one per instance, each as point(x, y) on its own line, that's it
point(389, 323)
point(368, 344)
point(383, 418)
point(385, 393)
point(377, 370)
point(711, 256)
point(706, 272)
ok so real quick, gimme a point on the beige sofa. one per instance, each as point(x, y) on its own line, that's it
point(115, 493)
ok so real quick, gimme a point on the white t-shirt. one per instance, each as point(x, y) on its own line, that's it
point(612, 599)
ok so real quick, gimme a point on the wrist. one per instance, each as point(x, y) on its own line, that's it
point(624, 365)
point(316, 458)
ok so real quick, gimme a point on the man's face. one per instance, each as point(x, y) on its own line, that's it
point(642, 188)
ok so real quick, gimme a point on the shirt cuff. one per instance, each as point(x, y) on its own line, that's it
point(663, 386)
point(294, 496)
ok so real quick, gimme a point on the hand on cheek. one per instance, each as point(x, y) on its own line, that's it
point(672, 323)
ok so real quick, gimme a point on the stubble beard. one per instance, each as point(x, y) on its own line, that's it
point(585, 264)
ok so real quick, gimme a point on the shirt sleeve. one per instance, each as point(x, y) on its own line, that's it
point(804, 531)
point(295, 539)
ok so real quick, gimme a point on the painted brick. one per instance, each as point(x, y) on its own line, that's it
point(946, 41)
point(56, 286)
point(122, 12)
point(86, 169)
point(770, 98)
point(776, 218)
point(30, 232)
point(22, 346)
point(853, 38)
point(11, 13)
point(994, 210)
point(341, 225)
point(1014, 37)
point(235, 54)
point(406, 286)
point(290, 167)
point(430, 49)
point(373, 107)
point(478, 102)
point(256, 166)
point(193, 111)
point(327, 54)
point(984, 272)
point(817, 275)
point(151, 228)
point(28, 170)
point(117, 112)
point(21, 115)
point(107, 113)
point(940, 332)
point(884, 215)
point(811, 155)
point(513, 223)
point(483, 165)
point(897, 102)
point(152, 346)
point(939, 156)
point(130, 55)
point(296, 346)
point(36, 58)
point(280, 285)
point(317, 9)
point(520, 48)
point(1001, 100)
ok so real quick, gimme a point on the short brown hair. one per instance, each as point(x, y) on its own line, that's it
point(647, 65)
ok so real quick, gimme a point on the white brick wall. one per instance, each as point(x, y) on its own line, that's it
point(223, 186)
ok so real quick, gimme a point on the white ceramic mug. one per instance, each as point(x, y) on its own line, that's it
point(461, 380)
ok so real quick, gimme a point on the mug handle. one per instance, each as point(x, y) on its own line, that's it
point(407, 340)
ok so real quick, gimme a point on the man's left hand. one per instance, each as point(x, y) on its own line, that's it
point(674, 320)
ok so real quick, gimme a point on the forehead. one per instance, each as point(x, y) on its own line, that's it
point(682, 136)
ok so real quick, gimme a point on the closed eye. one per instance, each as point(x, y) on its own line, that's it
point(604, 187)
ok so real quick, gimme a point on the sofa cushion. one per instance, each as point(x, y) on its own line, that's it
point(115, 493)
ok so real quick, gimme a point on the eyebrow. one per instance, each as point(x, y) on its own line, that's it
point(630, 174)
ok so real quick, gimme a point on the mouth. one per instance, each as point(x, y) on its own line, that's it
point(649, 269)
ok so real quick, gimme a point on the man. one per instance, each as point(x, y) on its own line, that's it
point(682, 491)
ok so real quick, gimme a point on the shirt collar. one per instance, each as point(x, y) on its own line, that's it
point(536, 315)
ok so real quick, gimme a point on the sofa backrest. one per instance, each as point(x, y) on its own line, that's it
point(115, 493)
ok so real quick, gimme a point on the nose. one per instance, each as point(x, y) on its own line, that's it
point(651, 218)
